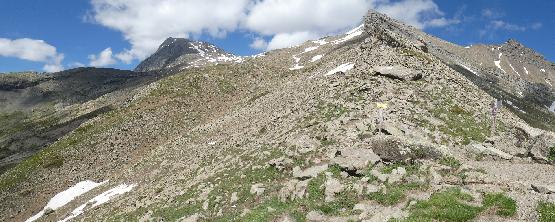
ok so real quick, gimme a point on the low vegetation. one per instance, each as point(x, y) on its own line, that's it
point(450, 162)
point(453, 205)
point(546, 212)
point(449, 205)
point(551, 155)
point(503, 205)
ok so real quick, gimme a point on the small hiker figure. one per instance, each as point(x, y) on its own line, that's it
point(381, 108)
point(495, 106)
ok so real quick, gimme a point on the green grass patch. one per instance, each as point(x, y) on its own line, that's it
point(394, 194)
point(225, 86)
point(410, 168)
point(546, 212)
point(325, 113)
point(450, 162)
point(503, 205)
point(331, 111)
point(262, 212)
point(335, 170)
point(551, 155)
point(444, 206)
point(460, 123)
point(451, 205)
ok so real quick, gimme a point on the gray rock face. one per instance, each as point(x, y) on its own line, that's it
point(544, 189)
point(24, 95)
point(257, 189)
point(176, 53)
point(489, 150)
point(309, 172)
point(397, 149)
point(398, 72)
point(537, 142)
point(333, 186)
point(354, 159)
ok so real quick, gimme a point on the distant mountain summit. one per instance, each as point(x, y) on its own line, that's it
point(179, 53)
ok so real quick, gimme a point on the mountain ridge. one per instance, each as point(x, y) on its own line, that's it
point(350, 127)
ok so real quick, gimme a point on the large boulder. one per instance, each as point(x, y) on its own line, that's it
point(398, 72)
point(333, 186)
point(399, 149)
point(355, 159)
point(310, 172)
point(539, 143)
point(488, 149)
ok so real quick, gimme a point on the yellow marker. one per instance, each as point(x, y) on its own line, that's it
point(381, 105)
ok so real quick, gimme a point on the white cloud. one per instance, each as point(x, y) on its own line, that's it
point(498, 24)
point(105, 58)
point(52, 67)
point(418, 13)
point(492, 13)
point(284, 40)
point(291, 22)
point(537, 25)
point(269, 17)
point(32, 50)
point(146, 23)
point(76, 64)
point(259, 44)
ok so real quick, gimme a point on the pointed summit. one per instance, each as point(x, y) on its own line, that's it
point(181, 53)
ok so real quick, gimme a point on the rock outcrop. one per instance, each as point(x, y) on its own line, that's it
point(178, 53)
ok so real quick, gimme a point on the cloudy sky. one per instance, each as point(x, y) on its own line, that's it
point(53, 35)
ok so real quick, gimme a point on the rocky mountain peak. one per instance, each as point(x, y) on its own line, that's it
point(514, 43)
point(181, 53)
point(392, 32)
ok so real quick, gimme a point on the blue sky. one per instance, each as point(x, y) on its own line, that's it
point(59, 34)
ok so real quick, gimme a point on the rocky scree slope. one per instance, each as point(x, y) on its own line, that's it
point(38, 109)
point(176, 54)
point(297, 135)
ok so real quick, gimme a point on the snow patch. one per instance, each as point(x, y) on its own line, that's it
point(342, 68)
point(511, 65)
point(549, 83)
point(515, 107)
point(498, 64)
point(320, 42)
point(200, 51)
point(100, 199)
point(316, 58)
point(311, 49)
point(469, 69)
point(66, 196)
point(296, 67)
point(351, 34)
point(526, 70)
point(543, 70)
point(552, 107)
